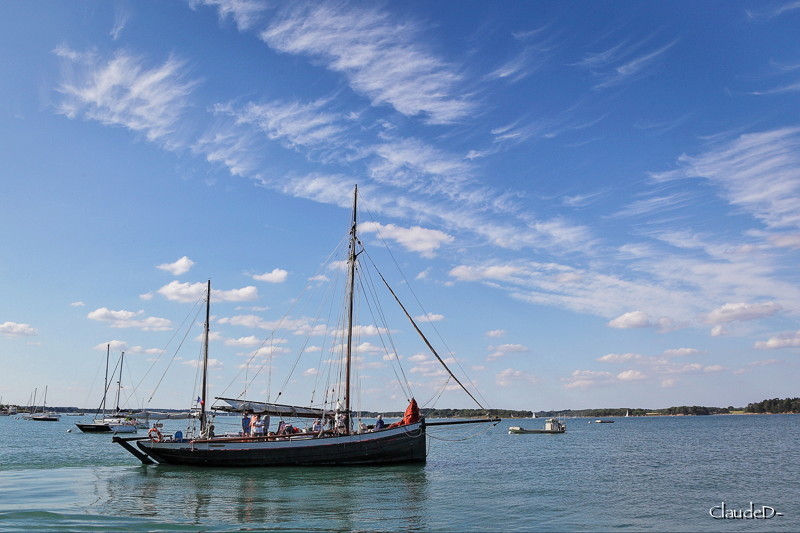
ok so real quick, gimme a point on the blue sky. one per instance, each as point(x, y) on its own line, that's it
point(597, 203)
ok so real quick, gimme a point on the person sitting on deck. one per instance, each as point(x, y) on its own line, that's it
point(281, 428)
point(380, 424)
point(316, 427)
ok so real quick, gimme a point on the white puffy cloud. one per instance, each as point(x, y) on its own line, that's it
point(14, 329)
point(415, 239)
point(739, 312)
point(278, 275)
point(619, 357)
point(191, 292)
point(252, 340)
point(509, 376)
point(181, 266)
point(631, 375)
point(129, 319)
point(429, 317)
point(681, 352)
point(784, 340)
point(634, 319)
point(505, 349)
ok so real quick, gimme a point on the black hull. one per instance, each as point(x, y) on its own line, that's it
point(94, 428)
point(385, 447)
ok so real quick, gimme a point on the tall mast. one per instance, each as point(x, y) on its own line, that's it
point(204, 387)
point(119, 383)
point(351, 263)
point(105, 389)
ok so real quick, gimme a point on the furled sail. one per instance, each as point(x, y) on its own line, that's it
point(272, 409)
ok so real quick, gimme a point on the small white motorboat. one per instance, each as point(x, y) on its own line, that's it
point(551, 425)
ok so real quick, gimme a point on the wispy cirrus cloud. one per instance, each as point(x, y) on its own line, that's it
point(381, 58)
point(124, 91)
point(622, 63)
point(245, 13)
point(757, 172)
point(292, 123)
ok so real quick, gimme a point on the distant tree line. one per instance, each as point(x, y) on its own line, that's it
point(775, 405)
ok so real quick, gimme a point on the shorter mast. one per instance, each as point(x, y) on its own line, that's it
point(204, 386)
point(119, 382)
point(105, 382)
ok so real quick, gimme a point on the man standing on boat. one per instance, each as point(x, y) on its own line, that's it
point(245, 423)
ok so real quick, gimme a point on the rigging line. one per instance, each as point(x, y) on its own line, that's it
point(280, 322)
point(394, 260)
point(427, 342)
point(323, 304)
point(437, 395)
point(174, 334)
point(172, 360)
point(89, 393)
point(366, 283)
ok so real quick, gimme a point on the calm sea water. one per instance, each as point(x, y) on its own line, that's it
point(638, 474)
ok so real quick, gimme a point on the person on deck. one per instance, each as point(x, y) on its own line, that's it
point(253, 420)
point(380, 424)
point(259, 429)
point(281, 428)
point(317, 426)
point(341, 427)
point(245, 424)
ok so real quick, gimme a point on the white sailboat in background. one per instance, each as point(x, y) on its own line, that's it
point(117, 422)
point(45, 416)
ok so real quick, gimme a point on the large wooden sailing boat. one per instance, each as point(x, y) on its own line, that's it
point(332, 440)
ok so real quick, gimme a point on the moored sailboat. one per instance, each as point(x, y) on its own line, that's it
point(333, 438)
point(44, 415)
point(116, 422)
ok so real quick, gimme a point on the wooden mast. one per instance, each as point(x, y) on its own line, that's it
point(351, 263)
point(204, 386)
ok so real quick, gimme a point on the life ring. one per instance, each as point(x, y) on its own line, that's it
point(155, 435)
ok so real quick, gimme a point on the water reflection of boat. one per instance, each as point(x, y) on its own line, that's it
point(334, 438)
point(551, 426)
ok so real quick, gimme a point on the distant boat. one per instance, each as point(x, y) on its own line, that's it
point(551, 426)
point(45, 416)
point(627, 413)
point(334, 438)
point(598, 421)
point(117, 422)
